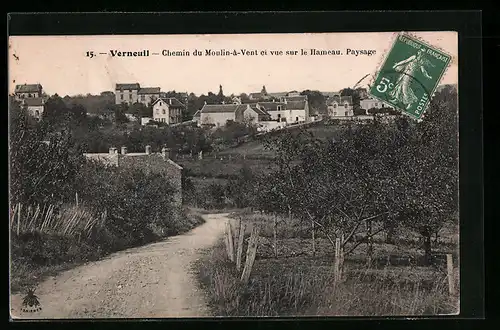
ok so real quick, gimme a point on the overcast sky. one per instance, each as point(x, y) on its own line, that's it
point(60, 64)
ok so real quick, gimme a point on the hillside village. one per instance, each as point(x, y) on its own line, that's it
point(92, 175)
point(268, 111)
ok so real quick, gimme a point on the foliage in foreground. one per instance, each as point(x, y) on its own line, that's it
point(285, 288)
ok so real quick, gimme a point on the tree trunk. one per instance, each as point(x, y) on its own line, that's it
point(389, 238)
point(369, 242)
point(427, 249)
point(313, 239)
point(275, 229)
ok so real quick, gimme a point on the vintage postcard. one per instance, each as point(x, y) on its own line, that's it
point(272, 175)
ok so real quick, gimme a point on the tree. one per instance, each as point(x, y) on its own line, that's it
point(427, 188)
point(55, 112)
point(40, 172)
point(317, 101)
point(244, 98)
point(354, 93)
point(359, 112)
point(119, 112)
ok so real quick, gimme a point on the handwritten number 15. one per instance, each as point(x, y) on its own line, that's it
point(90, 54)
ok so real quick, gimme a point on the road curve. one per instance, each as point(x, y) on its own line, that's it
point(152, 281)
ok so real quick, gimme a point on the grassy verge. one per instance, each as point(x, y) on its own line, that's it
point(296, 283)
point(37, 254)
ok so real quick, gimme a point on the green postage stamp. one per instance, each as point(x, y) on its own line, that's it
point(409, 75)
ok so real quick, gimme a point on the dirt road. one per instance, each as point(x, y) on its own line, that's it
point(155, 280)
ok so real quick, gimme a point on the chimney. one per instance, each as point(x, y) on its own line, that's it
point(124, 150)
point(165, 152)
point(170, 101)
point(148, 150)
point(205, 102)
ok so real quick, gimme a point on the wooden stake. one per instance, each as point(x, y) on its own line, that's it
point(226, 242)
point(76, 198)
point(341, 264)
point(449, 267)
point(230, 241)
point(336, 268)
point(239, 251)
point(19, 218)
point(275, 234)
point(251, 253)
point(313, 239)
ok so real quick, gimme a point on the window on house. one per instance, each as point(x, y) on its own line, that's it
point(121, 96)
point(346, 105)
point(335, 105)
point(346, 113)
point(279, 107)
point(143, 97)
point(37, 113)
point(296, 118)
point(163, 111)
point(130, 96)
point(159, 103)
point(376, 105)
point(157, 111)
point(335, 113)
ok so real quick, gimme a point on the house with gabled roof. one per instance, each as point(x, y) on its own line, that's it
point(25, 91)
point(289, 109)
point(219, 114)
point(340, 106)
point(35, 106)
point(133, 92)
point(168, 110)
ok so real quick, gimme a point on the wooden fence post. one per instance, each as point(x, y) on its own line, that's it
point(313, 238)
point(226, 242)
point(251, 253)
point(341, 264)
point(239, 250)
point(76, 198)
point(449, 267)
point(19, 218)
point(336, 267)
point(230, 241)
point(275, 234)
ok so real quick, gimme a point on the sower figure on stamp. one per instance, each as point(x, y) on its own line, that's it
point(402, 91)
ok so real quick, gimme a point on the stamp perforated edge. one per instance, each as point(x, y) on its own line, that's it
point(412, 35)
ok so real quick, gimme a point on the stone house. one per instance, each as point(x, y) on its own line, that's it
point(370, 103)
point(168, 110)
point(28, 91)
point(340, 106)
point(35, 106)
point(148, 161)
point(293, 109)
point(133, 93)
point(219, 114)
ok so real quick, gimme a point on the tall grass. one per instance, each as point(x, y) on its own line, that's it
point(276, 289)
point(68, 220)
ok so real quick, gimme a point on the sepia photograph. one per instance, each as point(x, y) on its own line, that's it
point(234, 175)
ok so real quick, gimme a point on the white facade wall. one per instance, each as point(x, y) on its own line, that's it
point(218, 118)
point(147, 99)
point(250, 115)
point(36, 111)
point(126, 96)
point(340, 110)
point(145, 120)
point(368, 104)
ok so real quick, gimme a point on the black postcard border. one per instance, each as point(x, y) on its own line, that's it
point(466, 23)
